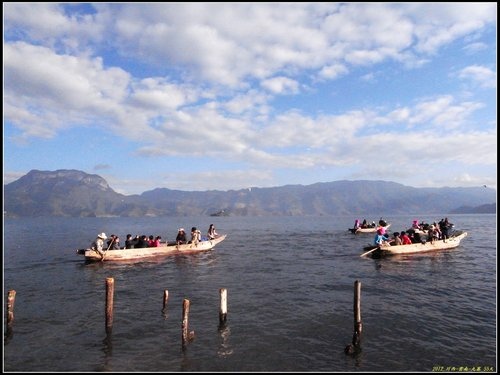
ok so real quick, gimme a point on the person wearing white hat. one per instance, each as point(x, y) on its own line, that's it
point(98, 244)
point(181, 237)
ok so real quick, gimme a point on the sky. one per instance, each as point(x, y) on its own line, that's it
point(228, 96)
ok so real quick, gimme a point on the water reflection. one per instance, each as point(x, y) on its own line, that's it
point(225, 348)
point(107, 349)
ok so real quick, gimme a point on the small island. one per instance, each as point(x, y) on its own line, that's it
point(220, 213)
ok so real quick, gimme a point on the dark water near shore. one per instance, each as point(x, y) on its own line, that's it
point(290, 286)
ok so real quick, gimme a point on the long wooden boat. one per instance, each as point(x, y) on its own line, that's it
point(149, 252)
point(384, 250)
point(367, 230)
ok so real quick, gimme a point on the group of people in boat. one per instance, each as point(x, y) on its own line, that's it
point(143, 241)
point(364, 224)
point(443, 225)
point(418, 233)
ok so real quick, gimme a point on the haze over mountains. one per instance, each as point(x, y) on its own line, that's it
point(73, 193)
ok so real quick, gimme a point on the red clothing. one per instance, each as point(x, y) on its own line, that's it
point(406, 239)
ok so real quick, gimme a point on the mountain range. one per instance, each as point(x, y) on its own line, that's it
point(73, 193)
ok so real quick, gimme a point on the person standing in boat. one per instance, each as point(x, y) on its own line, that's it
point(212, 234)
point(356, 225)
point(380, 238)
point(444, 226)
point(432, 234)
point(181, 237)
point(98, 243)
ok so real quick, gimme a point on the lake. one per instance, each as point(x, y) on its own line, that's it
point(290, 288)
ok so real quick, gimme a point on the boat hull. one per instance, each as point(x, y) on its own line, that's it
point(149, 252)
point(417, 248)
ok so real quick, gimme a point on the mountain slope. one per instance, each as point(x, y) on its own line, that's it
point(73, 193)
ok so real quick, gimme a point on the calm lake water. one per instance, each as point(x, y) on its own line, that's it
point(290, 287)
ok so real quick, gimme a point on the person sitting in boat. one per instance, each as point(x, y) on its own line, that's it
point(151, 241)
point(114, 242)
point(364, 224)
point(195, 236)
point(181, 237)
point(414, 236)
point(98, 243)
point(405, 239)
point(424, 226)
point(130, 242)
point(396, 241)
point(212, 234)
point(380, 238)
point(155, 242)
point(142, 242)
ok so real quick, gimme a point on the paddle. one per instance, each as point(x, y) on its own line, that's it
point(109, 247)
point(370, 251)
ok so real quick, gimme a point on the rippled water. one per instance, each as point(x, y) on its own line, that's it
point(290, 287)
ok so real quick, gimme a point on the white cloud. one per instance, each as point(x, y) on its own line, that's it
point(332, 71)
point(481, 75)
point(437, 24)
point(227, 43)
point(475, 47)
point(281, 85)
point(213, 80)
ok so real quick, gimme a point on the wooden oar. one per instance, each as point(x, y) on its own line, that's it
point(109, 247)
point(370, 251)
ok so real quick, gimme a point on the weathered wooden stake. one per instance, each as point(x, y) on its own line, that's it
point(186, 337)
point(223, 305)
point(355, 347)
point(165, 299)
point(358, 326)
point(11, 299)
point(110, 288)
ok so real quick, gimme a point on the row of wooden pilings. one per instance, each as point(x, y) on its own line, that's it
point(187, 336)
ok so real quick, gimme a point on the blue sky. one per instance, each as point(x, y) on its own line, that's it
point(221, 96)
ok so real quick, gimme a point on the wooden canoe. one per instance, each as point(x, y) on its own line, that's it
point(149, 252)
point(423, 247)
point(367, 230)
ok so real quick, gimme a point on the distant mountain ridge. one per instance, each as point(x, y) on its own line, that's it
point(483, 209)
point(73, 193)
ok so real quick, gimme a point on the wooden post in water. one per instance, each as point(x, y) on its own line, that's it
point(165, 299)
point(186, 335)
point(223, 305)
point(358, 326)
point(110, 288)
point(11, 299)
